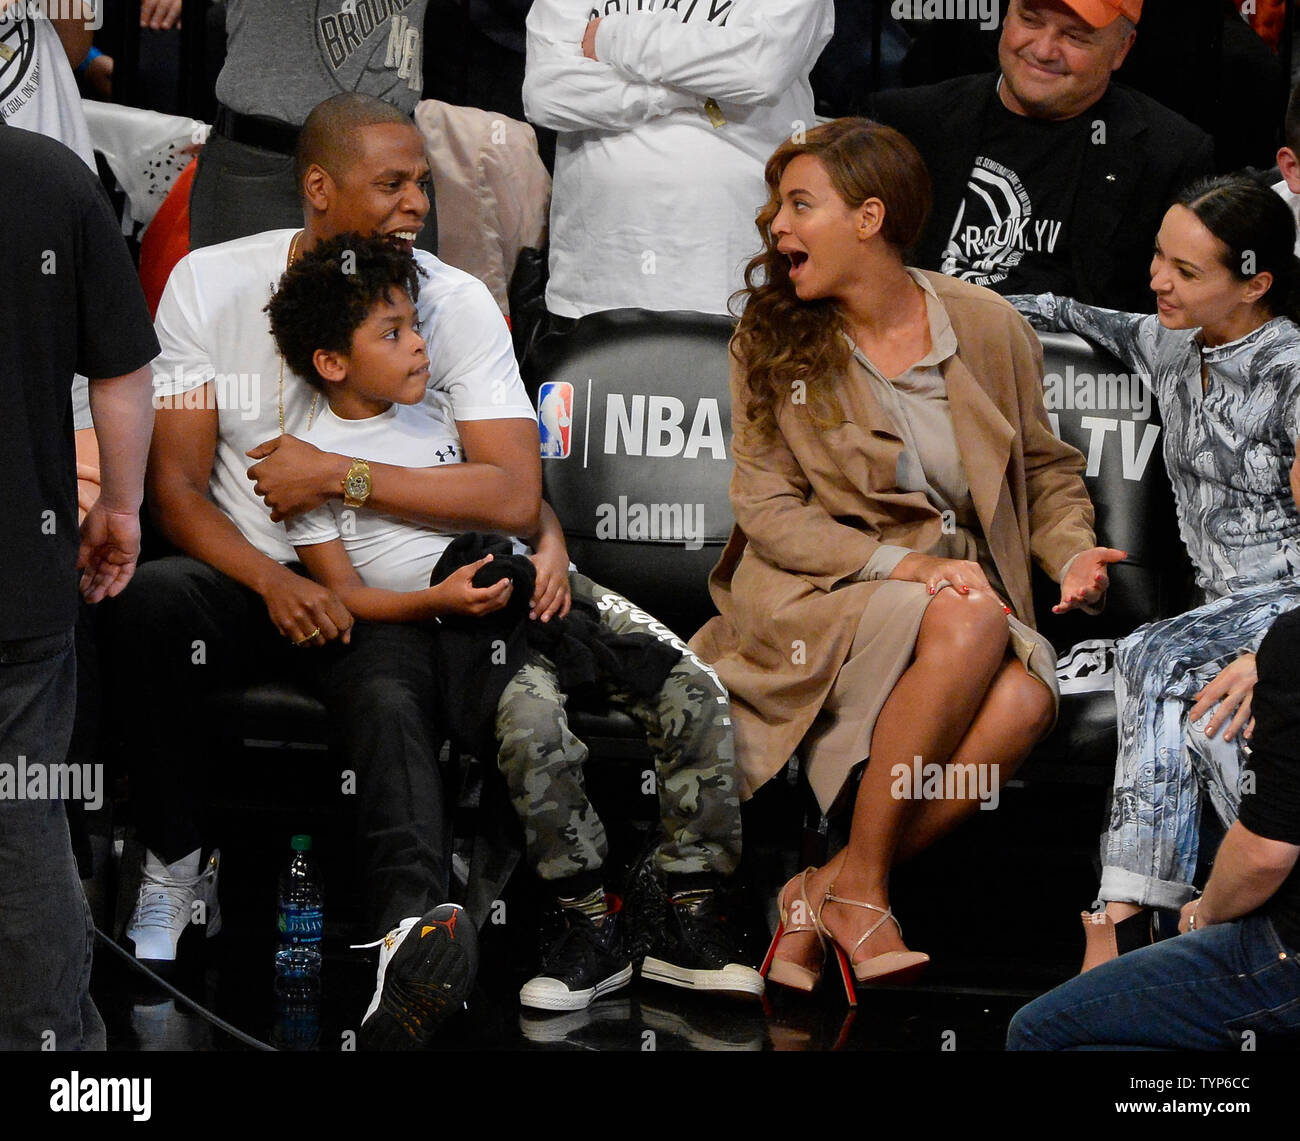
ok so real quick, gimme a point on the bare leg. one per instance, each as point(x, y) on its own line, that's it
point(1121, 909)
point(1015, 716)
point(959, 651)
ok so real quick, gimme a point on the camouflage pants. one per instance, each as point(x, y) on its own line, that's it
point(688, 727)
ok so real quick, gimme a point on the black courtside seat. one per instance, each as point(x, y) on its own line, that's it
point(639, 476)
point(635, 413)
point(636, 402)
point(1110, 415)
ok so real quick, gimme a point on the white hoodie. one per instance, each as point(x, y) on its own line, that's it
point(654, 198)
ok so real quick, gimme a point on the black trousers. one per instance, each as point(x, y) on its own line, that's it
point(182, 628)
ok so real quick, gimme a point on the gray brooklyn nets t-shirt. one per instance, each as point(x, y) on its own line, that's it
point(285, 56)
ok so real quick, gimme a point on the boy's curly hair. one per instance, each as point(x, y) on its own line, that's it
point(327, 293)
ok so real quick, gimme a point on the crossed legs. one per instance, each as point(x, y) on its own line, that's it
point(963, 701)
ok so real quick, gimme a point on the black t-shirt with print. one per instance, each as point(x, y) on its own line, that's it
point(1270, 802)
point(1012, 232)
point(72, 303)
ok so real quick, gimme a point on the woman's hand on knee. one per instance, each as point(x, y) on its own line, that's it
point(1232, 690)
point(961, 574)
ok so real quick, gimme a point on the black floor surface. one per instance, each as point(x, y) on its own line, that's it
point(996, 905)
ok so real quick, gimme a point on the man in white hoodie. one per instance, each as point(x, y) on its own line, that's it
point(667, 112)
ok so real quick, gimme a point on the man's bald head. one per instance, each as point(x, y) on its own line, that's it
point(331, 138)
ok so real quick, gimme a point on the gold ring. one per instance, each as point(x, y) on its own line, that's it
point(304, 641)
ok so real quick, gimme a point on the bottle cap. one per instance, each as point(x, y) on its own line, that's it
point(300, 843)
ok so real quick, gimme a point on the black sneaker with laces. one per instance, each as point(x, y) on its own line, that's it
point(696, 949)
point(581, 960)
point(645, 909)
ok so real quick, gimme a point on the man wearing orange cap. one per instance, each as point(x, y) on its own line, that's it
point(1048, 176)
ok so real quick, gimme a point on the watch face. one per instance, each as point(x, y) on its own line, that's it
point(357, 485)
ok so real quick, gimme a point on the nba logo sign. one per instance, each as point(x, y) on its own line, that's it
point(554, 417)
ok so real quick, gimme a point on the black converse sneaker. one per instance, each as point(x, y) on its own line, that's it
point(581, 961)
point(696, 948)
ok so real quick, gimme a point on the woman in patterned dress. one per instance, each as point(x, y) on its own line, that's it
point(1222, 355)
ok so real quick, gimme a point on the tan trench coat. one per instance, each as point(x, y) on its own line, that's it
point(812, 506)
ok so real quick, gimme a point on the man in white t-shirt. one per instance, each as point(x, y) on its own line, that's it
point(228, 607)
point(666, 116)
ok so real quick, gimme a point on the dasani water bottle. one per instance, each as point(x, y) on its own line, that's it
point(300, 920)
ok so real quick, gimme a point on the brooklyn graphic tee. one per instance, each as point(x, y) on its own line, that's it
point(37, 89)
point(283, 58)
point(1012, 232)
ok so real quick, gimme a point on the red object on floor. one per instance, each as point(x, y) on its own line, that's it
point(167, 239)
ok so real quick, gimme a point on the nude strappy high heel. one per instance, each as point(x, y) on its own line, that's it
point(785, 971)
point(893, 965)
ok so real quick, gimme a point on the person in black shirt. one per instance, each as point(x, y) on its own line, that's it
point(1236, 969)
point(73, 304)
point(1048, 176)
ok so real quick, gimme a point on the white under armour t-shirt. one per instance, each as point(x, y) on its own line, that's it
point(212, 328)
point(386, 551)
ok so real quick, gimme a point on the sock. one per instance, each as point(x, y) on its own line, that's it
point(676, 882)
point(187, 867)
point(592, 905)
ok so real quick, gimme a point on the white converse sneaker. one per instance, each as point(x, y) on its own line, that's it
point(171, 898)
point(427, 966)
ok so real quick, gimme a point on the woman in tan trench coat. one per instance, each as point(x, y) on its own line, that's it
point(895, 472)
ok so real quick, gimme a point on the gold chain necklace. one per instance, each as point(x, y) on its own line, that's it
point(311, 412)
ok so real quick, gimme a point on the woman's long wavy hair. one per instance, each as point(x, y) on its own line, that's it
point(782, 340)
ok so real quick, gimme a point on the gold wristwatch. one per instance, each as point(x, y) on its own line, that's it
point(356, 484)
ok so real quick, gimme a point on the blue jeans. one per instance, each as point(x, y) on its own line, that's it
point(1199, 991)
point(46, 934)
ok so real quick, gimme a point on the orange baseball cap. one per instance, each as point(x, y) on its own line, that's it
point(1099, 13)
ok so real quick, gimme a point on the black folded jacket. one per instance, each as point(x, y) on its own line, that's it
point(479, 654)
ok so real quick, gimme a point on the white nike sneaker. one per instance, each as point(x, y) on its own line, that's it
point(173, 897)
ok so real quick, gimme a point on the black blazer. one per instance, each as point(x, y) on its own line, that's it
point(1124, 189)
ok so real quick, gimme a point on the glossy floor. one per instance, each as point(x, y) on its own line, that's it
point(996, 906)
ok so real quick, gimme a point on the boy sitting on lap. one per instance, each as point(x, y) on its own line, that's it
point(344, 321)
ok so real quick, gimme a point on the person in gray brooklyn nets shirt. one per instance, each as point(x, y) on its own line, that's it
point(282, 59)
